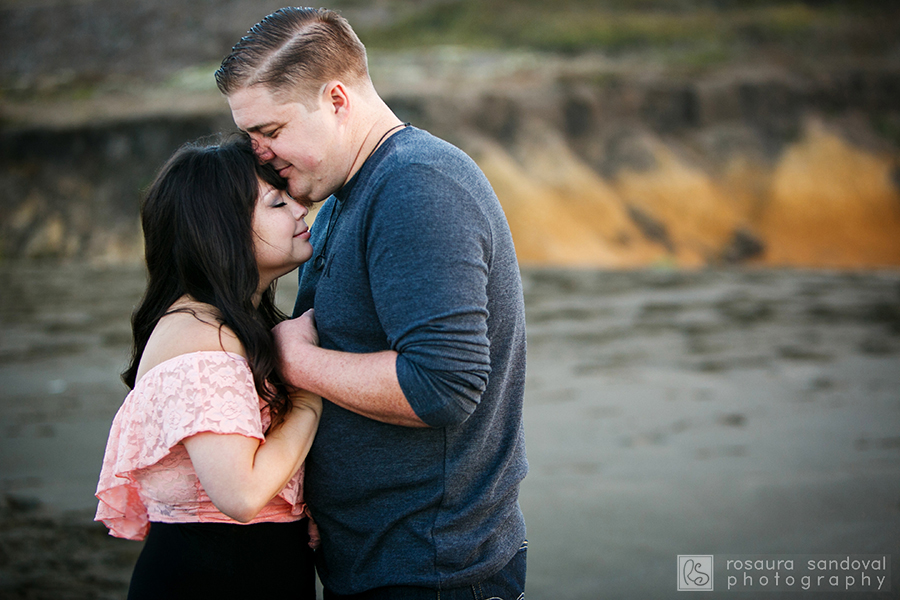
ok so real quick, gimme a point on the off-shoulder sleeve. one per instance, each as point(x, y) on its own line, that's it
point(189, 394)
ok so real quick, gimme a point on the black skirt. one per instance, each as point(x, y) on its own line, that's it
point(194, 561)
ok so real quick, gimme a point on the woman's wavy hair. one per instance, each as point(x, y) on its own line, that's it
point(197, 219)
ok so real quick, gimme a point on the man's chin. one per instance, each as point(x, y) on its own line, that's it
point(299, 196)
point(305, 198)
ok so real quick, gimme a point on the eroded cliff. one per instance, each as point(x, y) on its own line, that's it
point(594, 167)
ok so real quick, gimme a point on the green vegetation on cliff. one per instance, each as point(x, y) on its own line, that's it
point(79, 46)
point(693, 31)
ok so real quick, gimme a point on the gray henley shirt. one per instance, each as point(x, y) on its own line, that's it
point(419, 260)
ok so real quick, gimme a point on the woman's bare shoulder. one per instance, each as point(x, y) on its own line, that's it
point(187, 329)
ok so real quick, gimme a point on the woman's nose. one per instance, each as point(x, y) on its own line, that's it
point(300, 211)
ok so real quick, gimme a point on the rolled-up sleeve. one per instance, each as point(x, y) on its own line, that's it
point(428, 260)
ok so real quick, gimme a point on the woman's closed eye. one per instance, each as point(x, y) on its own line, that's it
point(280, 200)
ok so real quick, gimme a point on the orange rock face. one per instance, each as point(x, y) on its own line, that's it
point(832, 205)
point(824, 203)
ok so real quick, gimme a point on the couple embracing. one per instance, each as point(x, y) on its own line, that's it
point(377, 436)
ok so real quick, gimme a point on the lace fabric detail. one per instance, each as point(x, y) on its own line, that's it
point(147, 474)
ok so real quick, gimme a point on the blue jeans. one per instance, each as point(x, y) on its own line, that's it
point(507, 584)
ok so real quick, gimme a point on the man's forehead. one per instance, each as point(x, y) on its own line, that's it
point(252, 107)
point(256, 108)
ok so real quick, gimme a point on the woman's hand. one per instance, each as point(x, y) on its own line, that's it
point(301, 399)
point(299, 331)
point(293, 338)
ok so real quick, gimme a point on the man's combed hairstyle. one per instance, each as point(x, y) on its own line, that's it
point(293, 52)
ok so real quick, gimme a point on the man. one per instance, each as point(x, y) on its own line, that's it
point(414, 476)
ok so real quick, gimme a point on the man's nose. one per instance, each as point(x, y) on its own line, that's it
point(263, 153)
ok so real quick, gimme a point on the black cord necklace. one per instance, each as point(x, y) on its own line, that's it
point(319, 261)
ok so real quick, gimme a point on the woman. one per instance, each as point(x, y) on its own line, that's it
point(205, 455)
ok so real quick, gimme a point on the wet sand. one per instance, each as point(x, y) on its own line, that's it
point(712, 412)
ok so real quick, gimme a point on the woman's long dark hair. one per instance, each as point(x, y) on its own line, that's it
point(198, 240)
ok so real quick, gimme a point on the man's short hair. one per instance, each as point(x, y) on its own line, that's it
point(293, 52)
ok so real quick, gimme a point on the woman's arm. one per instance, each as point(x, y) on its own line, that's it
point(240, 474)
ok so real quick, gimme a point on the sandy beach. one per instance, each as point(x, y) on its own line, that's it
point(715, 412)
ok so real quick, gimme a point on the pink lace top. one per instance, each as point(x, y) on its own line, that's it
point(147, 474)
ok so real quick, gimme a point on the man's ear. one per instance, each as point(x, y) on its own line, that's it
point(336, 98)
